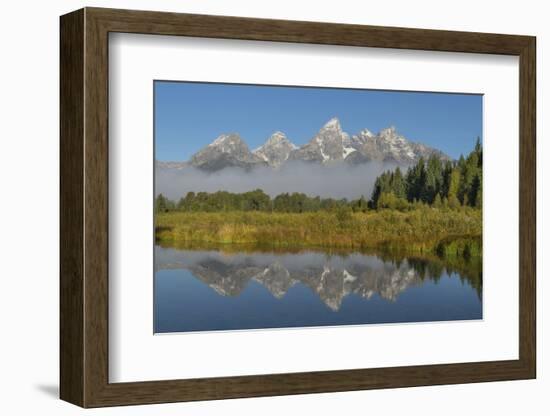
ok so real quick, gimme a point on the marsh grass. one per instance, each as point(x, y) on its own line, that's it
point(441, 231)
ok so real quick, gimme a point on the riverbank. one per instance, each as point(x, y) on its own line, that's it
point(425, 229)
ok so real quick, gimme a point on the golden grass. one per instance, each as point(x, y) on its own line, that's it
point(422, 229)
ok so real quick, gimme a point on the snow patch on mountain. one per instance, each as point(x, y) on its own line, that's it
point(276, 149)
point(330, 145)
point(347, 151)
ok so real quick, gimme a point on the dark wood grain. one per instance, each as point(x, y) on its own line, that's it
point(527, 207)
point(84, 207)
point(225, 27)
point(96, 220)
point(71, 100)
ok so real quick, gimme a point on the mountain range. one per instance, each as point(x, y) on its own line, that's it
point(330, 145)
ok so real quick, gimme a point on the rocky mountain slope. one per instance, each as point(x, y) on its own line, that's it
point(276, 149)
point(331, 144)
point(228, 150)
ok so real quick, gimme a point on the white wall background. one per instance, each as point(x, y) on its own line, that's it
point(29, 158)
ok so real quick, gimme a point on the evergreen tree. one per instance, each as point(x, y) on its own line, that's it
point(161, 203)
point(476, 192)
point(416, 181)
point(398, 185)
point(434, 179)
point(479, 151)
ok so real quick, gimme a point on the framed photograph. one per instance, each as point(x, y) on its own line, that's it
point(257, 207)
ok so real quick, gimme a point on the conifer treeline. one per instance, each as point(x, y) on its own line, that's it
point(432, 182)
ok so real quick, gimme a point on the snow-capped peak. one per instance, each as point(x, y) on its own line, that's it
point(276, 149)
point(279, 134)
point(391, 136)
point(330, 144)
point(276, 138)
point(228, 150)
point(227, 142)
point(388, 132)
point(333, 123)
point(219, 140)
point(366, 133)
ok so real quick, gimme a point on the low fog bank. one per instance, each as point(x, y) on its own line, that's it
point(333, 181)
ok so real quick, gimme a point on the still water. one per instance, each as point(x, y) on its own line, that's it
point(208, 290)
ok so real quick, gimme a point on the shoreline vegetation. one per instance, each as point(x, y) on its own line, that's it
point(443, 232)
point(434, 208)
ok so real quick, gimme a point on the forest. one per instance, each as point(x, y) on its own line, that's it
point(433, 182)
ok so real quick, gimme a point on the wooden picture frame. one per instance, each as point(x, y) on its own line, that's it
point(84, 207)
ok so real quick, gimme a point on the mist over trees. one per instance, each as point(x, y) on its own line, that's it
point(431, 182)
point(331, 180)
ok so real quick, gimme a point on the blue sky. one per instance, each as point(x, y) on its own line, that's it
point(188, 116)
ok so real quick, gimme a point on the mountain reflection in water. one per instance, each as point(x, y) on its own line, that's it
point(332, 278)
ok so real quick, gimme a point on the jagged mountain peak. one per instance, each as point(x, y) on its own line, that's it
point(390, 134)
point(225, 143)
point(365, 133)
point(390, 146)
point(330, 144)
point(388, 131)
point(276, 137)
point(228, 142)
point(228, 150)
point(276, 149)
point(333, 123)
